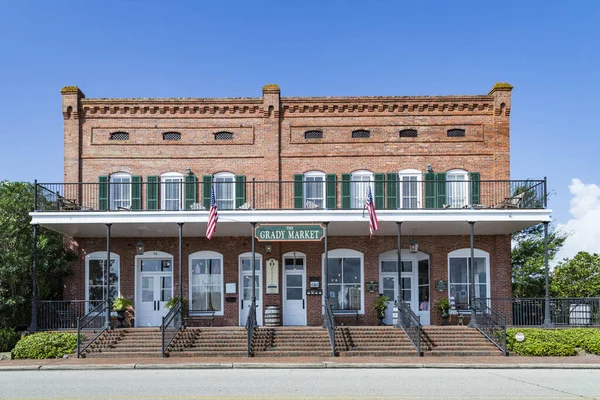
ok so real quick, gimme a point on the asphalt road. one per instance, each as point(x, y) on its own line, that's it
point(302, 384)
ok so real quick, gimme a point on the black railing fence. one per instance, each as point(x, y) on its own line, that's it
point(251, 325)
point(94, 323)
point(330, 325)
point(491, 324)
point(329, 193)
point(55, 315)
point(410, 323)
point(172, 323)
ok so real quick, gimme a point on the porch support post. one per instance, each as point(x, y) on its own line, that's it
point(33, 323)
point(473, 321)
point(326, 267)
point(180, 260)
point(547, 320)
point(253, 265)
point(399, 225)
point(107, 316)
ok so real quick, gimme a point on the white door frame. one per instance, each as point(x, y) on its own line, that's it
point(149, 255)
point(293, 254)
point(259, 309)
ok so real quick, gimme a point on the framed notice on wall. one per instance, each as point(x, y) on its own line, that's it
point(272, 276)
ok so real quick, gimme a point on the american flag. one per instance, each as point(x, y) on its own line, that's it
point(213, 217)
point(373, 222)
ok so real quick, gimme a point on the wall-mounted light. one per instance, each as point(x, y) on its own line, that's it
point(139, 248)
point(268, 248)
point(188, 171)
point(429, 168)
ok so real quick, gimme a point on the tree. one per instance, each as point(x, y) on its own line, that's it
point(577, 277)
point(528, 265)
point(16, 255)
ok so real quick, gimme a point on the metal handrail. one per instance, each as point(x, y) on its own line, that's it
point(410, 323)
point(251, 325)
point(100, 311)
point(491, 324)
point(174, 312)
point(330, 325)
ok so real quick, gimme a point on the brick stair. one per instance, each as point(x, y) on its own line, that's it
point(448, 341)
point(307, 341)
point(210, 342)
point(372, 341)
point(123, 343)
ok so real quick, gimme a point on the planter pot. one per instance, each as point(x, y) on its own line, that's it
point(445, 319)
point(120, 318)
point(380, 317)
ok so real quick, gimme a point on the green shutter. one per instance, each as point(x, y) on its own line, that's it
point(190, 191)
point(206, 184)
point(152, 193)
point(298, 191)
point(440, 189)
point(392, 191)
point(331, 191)
point(136, 192)
point(475, 187)
point(379, 191)
point(240, 190)
point(429, 190)
point(103, 192)
point(346, 182)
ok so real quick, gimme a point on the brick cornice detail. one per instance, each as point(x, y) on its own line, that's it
point(92, 108)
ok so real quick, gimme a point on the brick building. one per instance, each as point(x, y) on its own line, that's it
point(138, 175)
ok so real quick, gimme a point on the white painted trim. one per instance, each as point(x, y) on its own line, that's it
point(293, 254)
point(148, 255)
point(101, 255)
point(346, 253)
point(204, 255)
point(259, 310)
point(466, 253)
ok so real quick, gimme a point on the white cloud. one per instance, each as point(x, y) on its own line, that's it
point(584, 227)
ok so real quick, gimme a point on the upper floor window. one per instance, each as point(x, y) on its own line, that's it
point(408, 133)
point(119, 136)
point(171, 136)
point(456, 132)
point(457, 188)
point(361, 133)
point(224, 186)
point(314, 134)
point(120, 191)
point(224, 136)
point(171, 191)
point(314, 189)
point(410, 188)
point(361, 181)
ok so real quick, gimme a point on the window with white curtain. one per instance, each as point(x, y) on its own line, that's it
point(206, 282)
point(224, 184)
point(314, 189)
point(361, 180)
point(410, 188)
point(171, 191)
point(120, 191)
point(457, 188)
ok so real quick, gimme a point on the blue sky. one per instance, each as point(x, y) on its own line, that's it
point(548, 51)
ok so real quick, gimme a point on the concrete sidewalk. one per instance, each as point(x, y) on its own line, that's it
point(513, 362)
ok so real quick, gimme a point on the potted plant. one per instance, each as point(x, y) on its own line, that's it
point(184, 304)
point(120, 305)
point(444, 306)
point(381, 306)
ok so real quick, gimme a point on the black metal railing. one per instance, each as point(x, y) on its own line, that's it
point(251, 325)
point(94, 321)
point(329, 194)
point(490, 323)
point(410, 323)
point(54, 315)
point(563, 311)
point(172, 323)
point(330, 325)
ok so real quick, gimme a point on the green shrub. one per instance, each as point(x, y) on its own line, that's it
point(8, 339)
point(45, 345)
point(554, 342)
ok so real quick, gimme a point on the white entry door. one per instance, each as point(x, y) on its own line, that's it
point(154, 290)
point(389, 277)
point(246, 287)
point(294, 289)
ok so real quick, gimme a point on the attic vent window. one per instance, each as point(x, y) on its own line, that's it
point(456, 133)
point(119, 136)
point(361, 134)
point(313, 135)
point(224, 136)
point(172, 136)
point(408, 133)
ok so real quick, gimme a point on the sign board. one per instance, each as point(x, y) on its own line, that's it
point(315, 282)
point(441, 285)
point(519, 337)
point(272, 276)
point(372, 286)
point(289, 233)
point(230, 288)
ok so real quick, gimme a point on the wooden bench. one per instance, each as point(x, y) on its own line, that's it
point(66, 204)
point(200, 316)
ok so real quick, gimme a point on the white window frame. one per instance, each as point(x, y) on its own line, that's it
point(225, 176)
point(346, 253)
point(101, 255)
point(462, 198)
point(123, 202)
point(313, 202)
point(410, 173)
point(206, 255)
point(171, 176)
point(358, 190)
point(466, 253)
